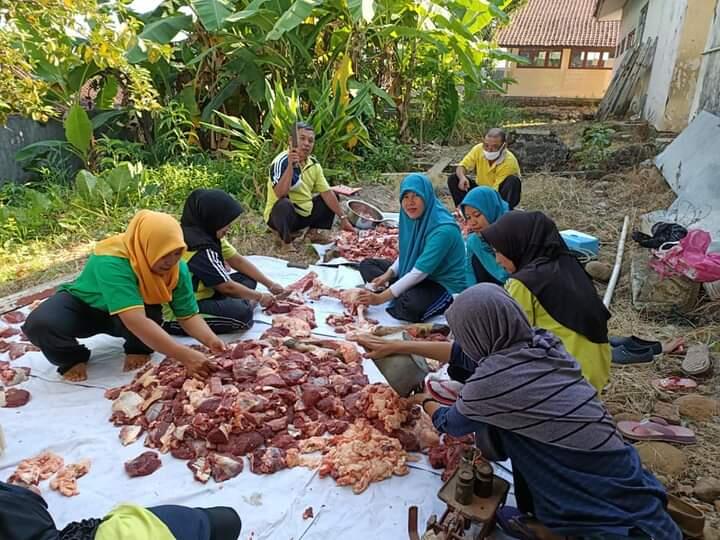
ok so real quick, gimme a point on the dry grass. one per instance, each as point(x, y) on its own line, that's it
point(598, 208)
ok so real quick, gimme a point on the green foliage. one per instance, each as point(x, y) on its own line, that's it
point(482, 113)
point(96, 205)
point(596, 141)
point(387, 153)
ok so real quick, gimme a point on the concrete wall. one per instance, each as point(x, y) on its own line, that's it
point(698, 18)
point(669, 18)
point(17, 134)
point(560, 83)
point(707, 90)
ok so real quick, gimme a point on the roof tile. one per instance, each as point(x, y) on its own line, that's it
point(558, 23)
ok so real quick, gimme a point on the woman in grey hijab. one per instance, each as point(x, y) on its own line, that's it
point(573, 472)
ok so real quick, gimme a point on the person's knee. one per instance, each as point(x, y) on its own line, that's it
point(37, 324)
point(283, 206)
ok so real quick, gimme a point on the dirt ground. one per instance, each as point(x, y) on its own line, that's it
point(596, 207)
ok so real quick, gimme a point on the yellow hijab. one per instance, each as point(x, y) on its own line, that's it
point(149, 237)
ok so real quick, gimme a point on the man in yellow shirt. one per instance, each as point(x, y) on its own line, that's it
point(298, 195)
point(495, 166)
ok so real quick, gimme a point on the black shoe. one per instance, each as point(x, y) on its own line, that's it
point(624, 356)
point(635, 343)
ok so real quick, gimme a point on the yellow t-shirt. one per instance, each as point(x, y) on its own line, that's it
point(594, 358)
point(490, 175)
point(305, 183)
point(129, 521)
point(200, 290)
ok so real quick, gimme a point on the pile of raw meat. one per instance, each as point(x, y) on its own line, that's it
point(31, 471)
point(275, 400)
point(10, 375)
point(378, 243)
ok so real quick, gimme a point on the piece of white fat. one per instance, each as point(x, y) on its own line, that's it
point(129, 434)
point(128, 403)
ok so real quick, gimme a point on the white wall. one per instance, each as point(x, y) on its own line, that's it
point(668, 19)
point(707, 93)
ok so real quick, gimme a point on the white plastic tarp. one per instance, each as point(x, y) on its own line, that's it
point(72, 420)
point(691, 167)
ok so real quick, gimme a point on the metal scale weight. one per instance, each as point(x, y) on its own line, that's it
point(473, 495)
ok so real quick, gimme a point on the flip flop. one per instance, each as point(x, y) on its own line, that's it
point(688, 517)
point(657, 430)
point(697, 360)
point(674, 384)
point(443, 389)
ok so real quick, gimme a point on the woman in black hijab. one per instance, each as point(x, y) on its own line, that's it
point(553, 288)
point(24, 516)
point(224, 281)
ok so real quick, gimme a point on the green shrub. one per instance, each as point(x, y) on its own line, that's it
point(479, 115)
point(387, 153)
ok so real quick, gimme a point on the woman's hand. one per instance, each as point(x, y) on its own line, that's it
point(377, 347)
point(217, 345)
point(266, 300)
point(381, 282)
point(345, 224)
point(368, 298)
point(195, 362)
point(276, 288)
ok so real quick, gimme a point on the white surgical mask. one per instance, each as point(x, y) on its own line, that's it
point(492, 156)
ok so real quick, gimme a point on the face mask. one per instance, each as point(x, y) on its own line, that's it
point(492, 156)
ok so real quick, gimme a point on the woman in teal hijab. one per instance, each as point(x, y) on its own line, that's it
point(482, 207)
point(431, 265)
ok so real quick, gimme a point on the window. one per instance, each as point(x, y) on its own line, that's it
point(540, 58)
point(591, 59)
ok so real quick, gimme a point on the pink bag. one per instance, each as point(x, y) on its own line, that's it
point(688, 258)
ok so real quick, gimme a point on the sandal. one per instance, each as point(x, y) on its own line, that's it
point(688, 517)
point(441, 388)
point(697, 360)
point(656, 429)
point(674, 384)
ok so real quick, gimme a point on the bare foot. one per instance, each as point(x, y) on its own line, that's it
point(135, 361)
point(674, 346)
point(77, 373)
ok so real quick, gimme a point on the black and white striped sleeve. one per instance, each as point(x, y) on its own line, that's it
point(278, 167)
point(207, 266)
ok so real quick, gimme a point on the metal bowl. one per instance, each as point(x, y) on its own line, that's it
point(363, 215)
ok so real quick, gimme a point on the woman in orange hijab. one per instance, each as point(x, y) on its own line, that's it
point(120, 292)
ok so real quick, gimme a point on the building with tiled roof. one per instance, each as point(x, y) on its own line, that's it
point(568, 52)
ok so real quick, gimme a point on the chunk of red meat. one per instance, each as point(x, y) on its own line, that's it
point(143, 465)
point(311, 394)
point(224, 467)
point(201, 468)
point(293, 376)
point(184, 451)
point(219, 435)
point(209, 406)
point(14, 397)
point(14, 317)
point(283, 440)
point(407, 439)
point(240, 444)
point(272, 379)
point(336, 427)
point(267, 460)
point(8, 331)
point(278, 424)
point(16, 350)
point(438, 457)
